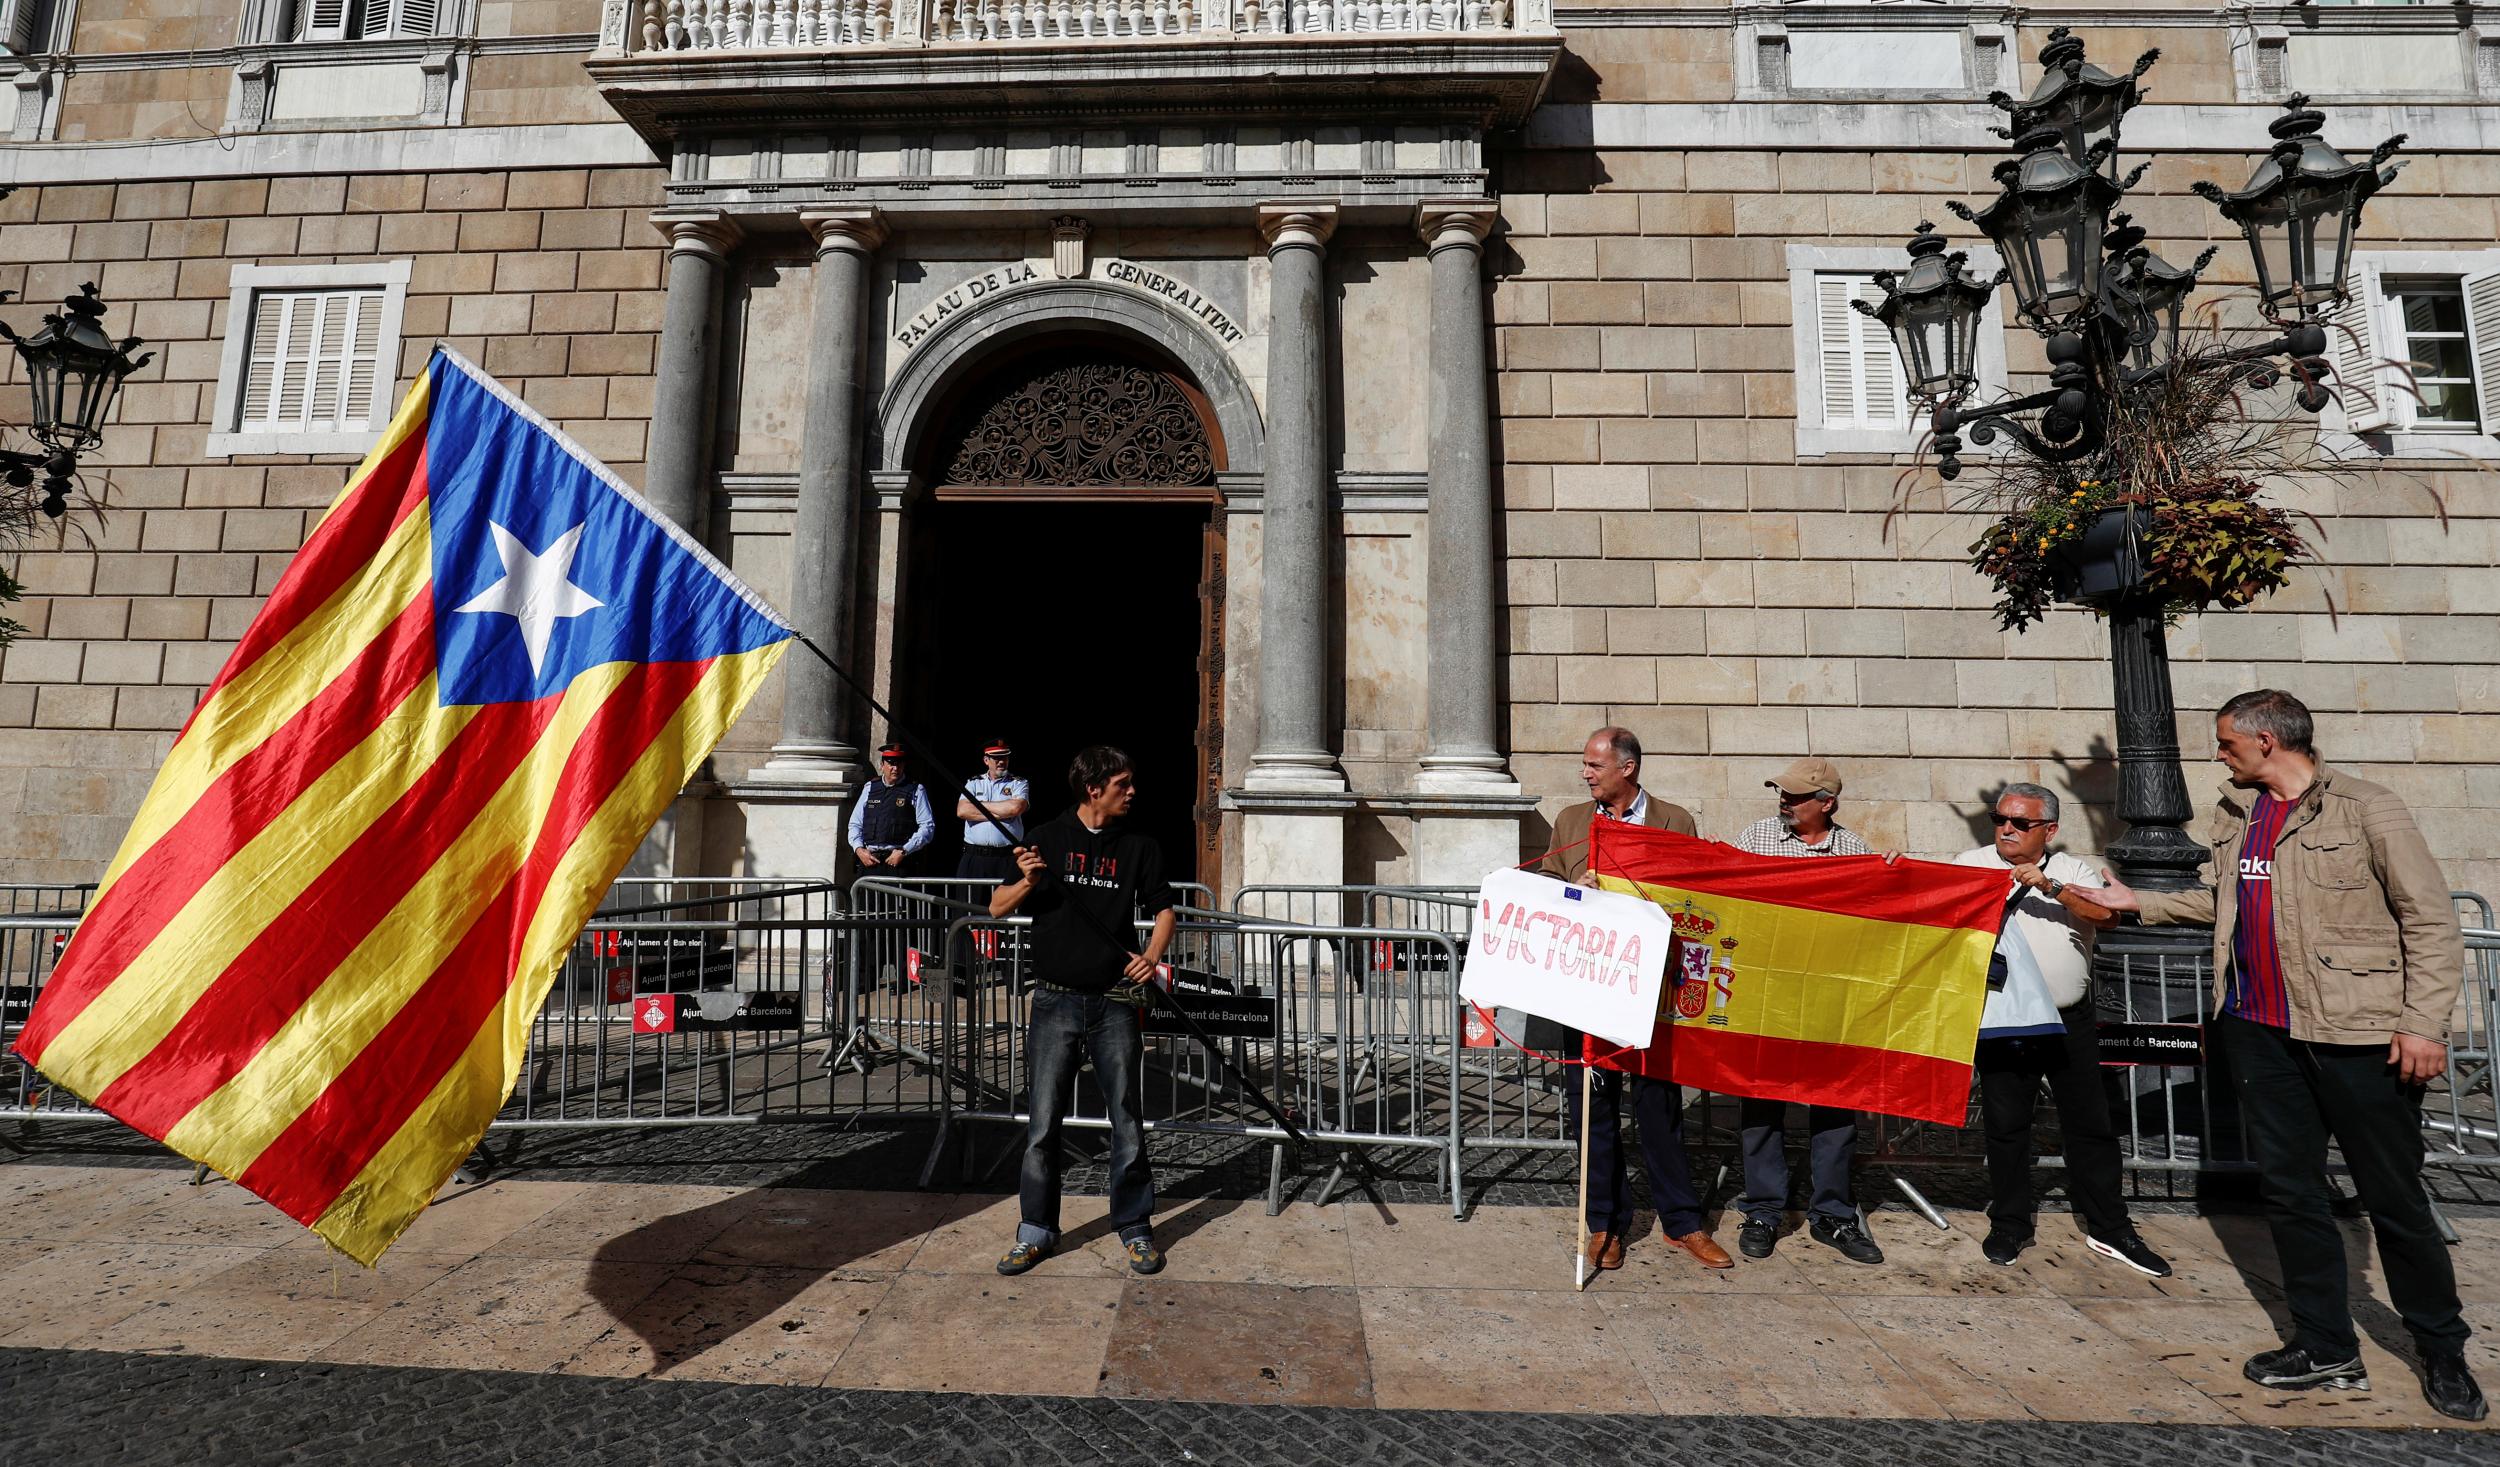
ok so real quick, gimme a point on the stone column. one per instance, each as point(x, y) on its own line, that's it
point(1293, 800)
point(1467, 808)
point(824, 541)
point(1293, 751)
point(797, 802)
point(677, 465)
point(1462, 589)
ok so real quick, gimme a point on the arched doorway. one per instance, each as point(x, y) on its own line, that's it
point(1065, 578)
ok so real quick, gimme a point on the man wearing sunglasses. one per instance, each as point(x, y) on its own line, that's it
point(2058, 921)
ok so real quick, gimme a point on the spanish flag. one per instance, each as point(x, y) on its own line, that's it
point(1843, 982)
point(314, 962)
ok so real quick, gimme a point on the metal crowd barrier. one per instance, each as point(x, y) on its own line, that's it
point(686, 1001)
point(691, 1001)
point(1362, 1052)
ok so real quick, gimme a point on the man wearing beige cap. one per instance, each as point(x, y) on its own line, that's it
point(1809, 793)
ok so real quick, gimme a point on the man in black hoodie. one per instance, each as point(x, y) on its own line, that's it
point(1085, 879)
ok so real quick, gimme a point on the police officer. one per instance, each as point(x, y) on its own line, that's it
point(988, 851)
point(891, 822)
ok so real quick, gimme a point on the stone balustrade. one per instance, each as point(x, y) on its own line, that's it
point(819, 25)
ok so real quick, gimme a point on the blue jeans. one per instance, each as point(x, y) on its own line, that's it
point(1065, 1029)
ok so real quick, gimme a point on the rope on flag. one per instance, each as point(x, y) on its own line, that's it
point(314, 962)
point(1843, 982)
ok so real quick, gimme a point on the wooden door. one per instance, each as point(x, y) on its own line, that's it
point(1210, 743)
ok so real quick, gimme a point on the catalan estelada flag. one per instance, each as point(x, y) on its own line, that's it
point(1843, 982)
point(488, 672)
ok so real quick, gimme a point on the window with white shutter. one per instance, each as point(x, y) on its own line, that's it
point(1852, 395)
point(366, 20)
point(314, 360)
point(1862, 380)
point(311, 356)
point(2416, 349)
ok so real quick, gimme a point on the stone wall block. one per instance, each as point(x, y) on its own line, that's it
point(1757, 732)
point(1658, 630)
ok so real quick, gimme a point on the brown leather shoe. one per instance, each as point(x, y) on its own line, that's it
point(1705, 1250)
point(1597, 1250)
point(1613, 1256)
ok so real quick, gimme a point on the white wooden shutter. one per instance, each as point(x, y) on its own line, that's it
point(17, 25)
point(1863, 385)
point(314, 362)
point(321, 20)
point(2482, 337)
point(2352, 345)
point(408, 19)
point(1840, 368)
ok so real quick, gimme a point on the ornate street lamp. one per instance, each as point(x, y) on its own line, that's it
point(2047, 225)
point(75, 371)
point(1932, 310)
point(2299, 209)
point(2085, 104)
point(2109, 311)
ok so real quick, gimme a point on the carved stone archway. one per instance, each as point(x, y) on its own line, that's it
point(965, 347)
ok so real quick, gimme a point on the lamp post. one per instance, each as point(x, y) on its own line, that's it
point(2108, 310)
point(75, 371)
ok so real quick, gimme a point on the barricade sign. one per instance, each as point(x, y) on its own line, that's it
point(663, 962)
point(2152, 1044)
point(1390, 954)
point(678, 1013)
point(1248, 1014)
point(1218, 1006)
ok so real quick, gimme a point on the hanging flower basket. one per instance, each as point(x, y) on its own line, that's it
point(2214, 545)
point(2102, 560)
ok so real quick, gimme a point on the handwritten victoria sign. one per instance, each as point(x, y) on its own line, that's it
point(1001, 279)
point(1594, 960)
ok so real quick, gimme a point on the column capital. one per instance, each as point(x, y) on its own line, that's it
point(1291, 226)
point(697, 231)
point(1456, 222)
point(862, 231)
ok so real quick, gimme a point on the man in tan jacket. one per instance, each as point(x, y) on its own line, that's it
point(2337, 963)
point(1610, 765)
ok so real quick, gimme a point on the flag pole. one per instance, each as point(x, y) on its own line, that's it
point(1580, 1251)
point(929, 757)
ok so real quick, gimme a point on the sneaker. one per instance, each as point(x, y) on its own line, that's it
point(1143, 1255)
point(2450, 1388)
point(1849, 1238)
point(1022, 1257)
point(2295, 1369)
point(2005, 1244)
point(2127, 1246)
point(1757, 1238)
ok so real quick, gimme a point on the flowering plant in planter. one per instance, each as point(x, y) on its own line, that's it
point(2171, 508)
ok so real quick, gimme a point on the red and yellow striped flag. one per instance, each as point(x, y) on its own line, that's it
point(314, 962)
point(1843, 982)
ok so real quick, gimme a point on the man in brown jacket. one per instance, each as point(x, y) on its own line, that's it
point(1610, 765)
point(2337, 962)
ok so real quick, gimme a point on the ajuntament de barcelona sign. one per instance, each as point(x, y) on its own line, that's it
point(964, 295)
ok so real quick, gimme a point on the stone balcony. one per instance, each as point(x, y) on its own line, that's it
point(679, 69)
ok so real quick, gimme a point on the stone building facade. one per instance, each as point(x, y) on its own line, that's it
point(1346, 406)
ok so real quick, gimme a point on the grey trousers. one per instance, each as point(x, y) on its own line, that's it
point(1832, 1143)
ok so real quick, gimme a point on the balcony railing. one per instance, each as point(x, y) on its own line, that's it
point(818, 25)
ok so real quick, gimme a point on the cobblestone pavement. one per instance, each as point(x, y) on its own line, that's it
point(73, 1407)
